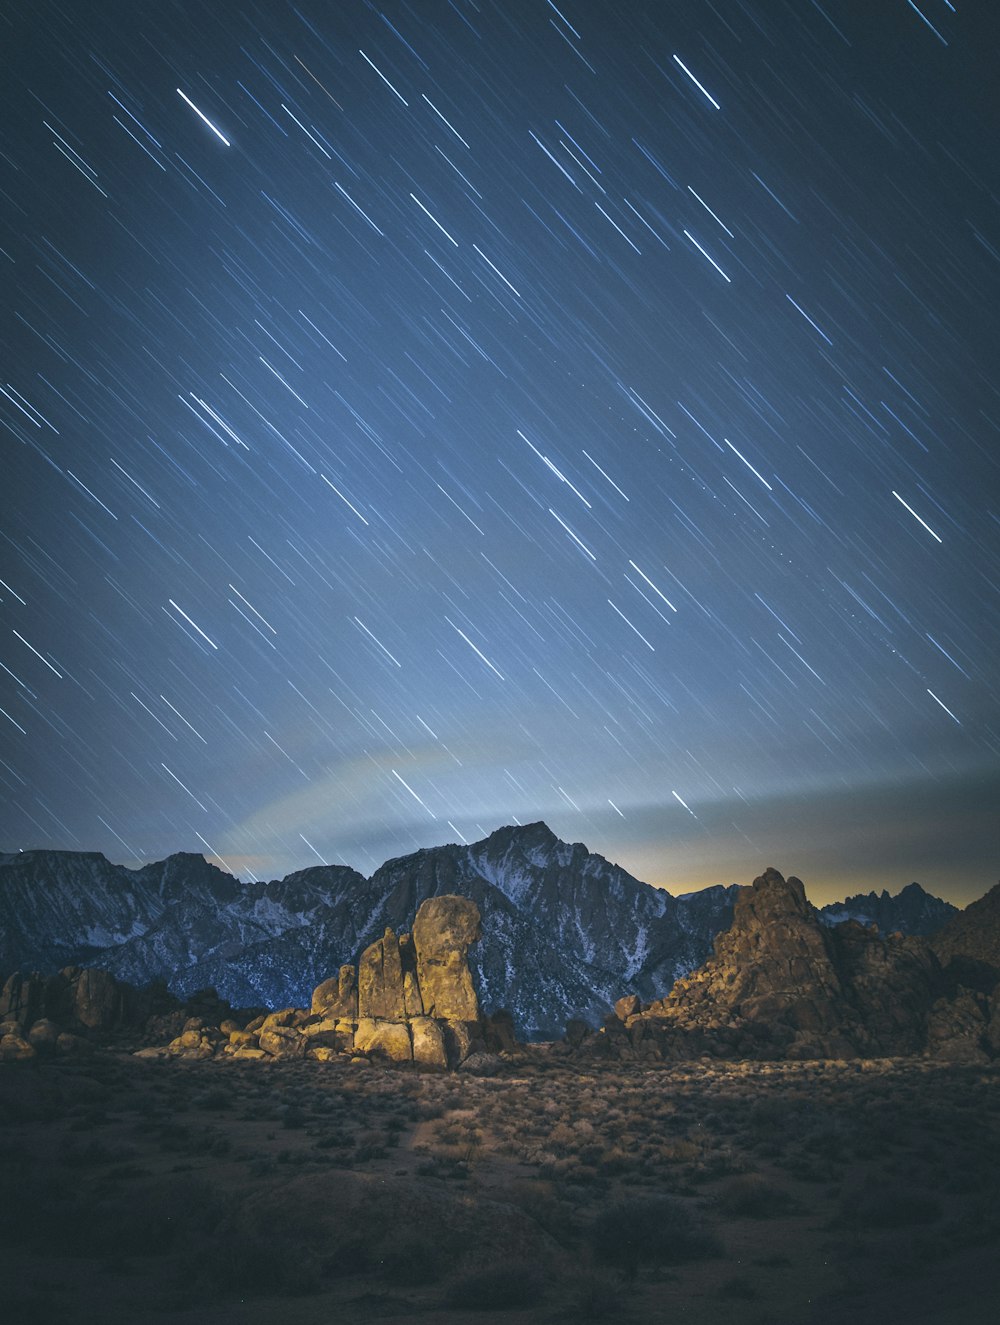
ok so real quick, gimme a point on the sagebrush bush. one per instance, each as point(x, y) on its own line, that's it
point(656, 1230)
point(888, 1205)
point(753, 1197)
point(499, 1288)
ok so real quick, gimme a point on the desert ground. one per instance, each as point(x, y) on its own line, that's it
point(554, 1190)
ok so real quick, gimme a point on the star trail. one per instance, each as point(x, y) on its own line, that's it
point(420, 418)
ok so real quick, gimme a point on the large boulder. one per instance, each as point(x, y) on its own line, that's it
point(380, 980)
point(338, 996)
point(98, 1000)
point(429, 1049)
point(22, 998)
point(384, 1039)
point(282, 1042)
point(444, 929)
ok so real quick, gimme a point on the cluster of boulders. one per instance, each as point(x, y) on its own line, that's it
point(783, 986)
point(65, 1013)
point(410, 1000)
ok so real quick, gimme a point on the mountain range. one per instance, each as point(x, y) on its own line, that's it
point(565, 931)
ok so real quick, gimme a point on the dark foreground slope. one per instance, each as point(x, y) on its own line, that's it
point(224, 1193)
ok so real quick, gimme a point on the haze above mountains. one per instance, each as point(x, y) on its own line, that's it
point(565, 931)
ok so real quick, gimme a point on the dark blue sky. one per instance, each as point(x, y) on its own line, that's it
point(421, 418)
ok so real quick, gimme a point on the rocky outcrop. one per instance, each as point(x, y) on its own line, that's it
point(781, 984)
point(411, 1000)
point(969, 944)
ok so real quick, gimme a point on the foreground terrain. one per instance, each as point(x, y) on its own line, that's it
point(221, 1191)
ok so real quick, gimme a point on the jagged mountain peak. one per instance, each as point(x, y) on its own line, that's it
point(912, 910)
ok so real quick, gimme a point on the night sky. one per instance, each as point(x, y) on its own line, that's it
point(422, 418)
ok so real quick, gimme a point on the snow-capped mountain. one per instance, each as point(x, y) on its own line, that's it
point(565, 932)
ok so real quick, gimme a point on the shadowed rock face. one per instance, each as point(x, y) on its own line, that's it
point(380, 980)
point(972, 937)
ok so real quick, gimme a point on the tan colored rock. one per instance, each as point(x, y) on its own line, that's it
point(230, 1027)
point(461, 1039)
point(338, 996)
point(429, 1049)
point(245, 1053)
point(443, 931)
point(783, 985)
point(98, 1000)
point(67, 1043)
point(957, 1030)
point(21, 998)
point(319, 1026)
point(322, 1053)
point(282, 1042)
point(186, 1040)
point(15, 1049)
point(380, 980)
point(384, 1039)
point(282, 1017)
point(240, 1039)
point(628, 1007)
point(44, 1035)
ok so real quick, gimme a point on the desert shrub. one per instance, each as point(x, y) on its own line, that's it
point(147, 1221)
point(412, 1260)
point(260, 1248)
point(657, 1230)
point(753, 1197)
point(216, 1098)
point(594, 1297)
point(888, 1205)
point(499, 1288)
point(738, 1287)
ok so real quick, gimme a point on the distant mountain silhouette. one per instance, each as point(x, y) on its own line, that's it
point(565, 931)
point(911, 911)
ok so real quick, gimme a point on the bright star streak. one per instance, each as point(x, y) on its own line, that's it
point(412, 792)
point(699, 86)
point(916, 516)
point(220, 136)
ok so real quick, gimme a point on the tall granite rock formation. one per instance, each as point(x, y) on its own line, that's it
point(411, 999)
point(783, 985)
point(443, 931)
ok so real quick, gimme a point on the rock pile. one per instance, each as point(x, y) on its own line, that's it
point(66, 1012)
point(782, 985)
